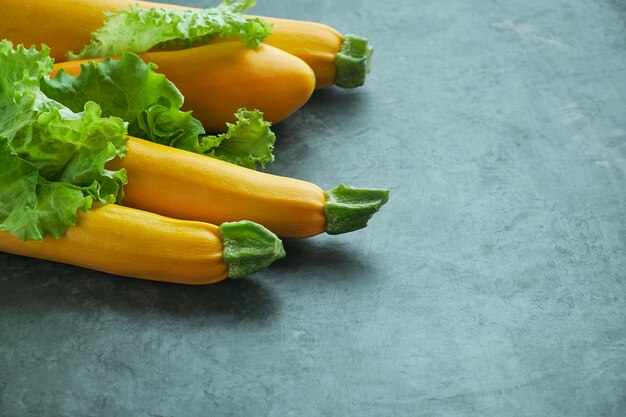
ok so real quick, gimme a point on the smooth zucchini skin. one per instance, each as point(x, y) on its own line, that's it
point(186, 185)
point(315, 43)
point(63, 25)
point(220, 78)
point(133, 243)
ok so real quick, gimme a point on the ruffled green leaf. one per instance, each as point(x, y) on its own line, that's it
point(129, 88)
point(51, 158)
point(32, 207)
point(248, 142)
point(139, 30)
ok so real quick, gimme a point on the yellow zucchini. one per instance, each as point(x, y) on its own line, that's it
point(190, 186)
point(218, 79)
point(133, 243)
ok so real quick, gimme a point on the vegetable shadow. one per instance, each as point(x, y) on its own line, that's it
point(337, 98)
point(327, 107)
point(323, 258)
point(33, 285)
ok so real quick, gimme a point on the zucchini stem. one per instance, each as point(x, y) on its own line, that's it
point(353, 61)
point(348, 209)
point(249, 247)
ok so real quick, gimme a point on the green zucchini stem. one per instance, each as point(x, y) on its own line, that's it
point(348, 209)
point(249, 247)
point(353, 61)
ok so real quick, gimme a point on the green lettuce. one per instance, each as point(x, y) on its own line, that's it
point(52, 159)
point(247, 142)
point(151, 105)
point(57, 135)
point(139, 30)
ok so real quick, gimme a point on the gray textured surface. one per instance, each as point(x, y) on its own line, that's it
point(492, 284)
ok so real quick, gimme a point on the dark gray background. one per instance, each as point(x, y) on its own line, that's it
point(492, 284)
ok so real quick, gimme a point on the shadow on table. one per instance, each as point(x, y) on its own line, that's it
point(326, 108)
point(38, 286)
point(324, 258)
point(335, 97)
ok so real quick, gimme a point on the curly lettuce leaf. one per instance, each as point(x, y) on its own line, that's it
point(32, 207)
point(129, 88)
point(248, 142)
point(139, 30)
point(51, 158)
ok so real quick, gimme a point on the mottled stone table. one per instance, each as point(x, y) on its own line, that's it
point(492, 284)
